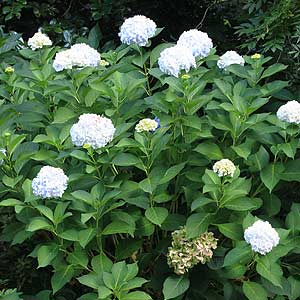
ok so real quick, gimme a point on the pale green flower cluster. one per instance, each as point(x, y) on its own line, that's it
point(146, 125)
point(39, 40)
point(185, 253)
point(224, 167)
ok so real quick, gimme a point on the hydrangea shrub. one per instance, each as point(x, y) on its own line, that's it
point(154, 173)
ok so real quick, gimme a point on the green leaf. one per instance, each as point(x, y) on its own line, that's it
point(171, 173)
point(83, 196)
point(243, 204)
point(46, 211)
point(69, 235)
point(273, 69)
point(197, 224)
point(210, 150)
point(61, 276)
point(175, 286)
point(103, 292)
point(85, 236)
point(125, 160)
point(292, 171)
point(294, 288)
point(78, 257)
point(292, 220)
point(11, 202)
point(260, 159)
point(118, 227)
point(38, 223)
point(137, 295)
point(46, 254)
point(101, 263)
point(270, 175)
point(92, 280)
point(156, 215)
point(63, 114)
point(269, 270)
point(95, 36)
point(200, 202)
point(231, 230)
point(238, 255)
point(254, 291)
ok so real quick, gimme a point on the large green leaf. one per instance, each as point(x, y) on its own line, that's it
point(271, 174)
point(238, 255)
point(269, 270)
point(46, 254)
point(254, 291)
point(61, 276)
point(175, 286)
point(233, 231)
point(156, 215)
point(171, 173)
point(210, 150)
point(125, 160)
point(197, 224)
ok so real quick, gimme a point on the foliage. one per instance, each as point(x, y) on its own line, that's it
point(108, 236)
point(272, 26)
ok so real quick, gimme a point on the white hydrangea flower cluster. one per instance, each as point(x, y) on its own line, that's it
point(39, 40)
point(79, 55)
point(224, 167)
point(3, 151)
point(262, 237)
point(289, 112)
point(147, 124)
point(174, 59)
point(197, 41)
point(186, 253)
point(230, 58)
point(93, 130)
point(50, 182)
point(137, 30)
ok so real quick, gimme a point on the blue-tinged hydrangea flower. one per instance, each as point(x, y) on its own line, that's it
point(50, 182)
point(197, 41)
point(185, 253)
point(137, 30)
point(174, 59)
point(3, 151)
point(39, 40)
point(262, 237)
point(230, 58)
point(147, 125)
point(224, 167)
point(289, 112)
point(79, 55)
point(93, 130)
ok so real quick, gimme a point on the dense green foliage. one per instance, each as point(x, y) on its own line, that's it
point(108, 237)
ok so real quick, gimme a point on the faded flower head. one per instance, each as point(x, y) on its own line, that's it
point(39, 40)
point(289, 112)
point(261, 236)
point(256, 56)
point(50, 182)
point(186, 253)
point(79, 55)
point(197, 41)
point(174, 59)
point(137, 30)
point(147, 125)
point(224, 167)
point(230, 58)
point(3, 151)
point(93, 130)
point(9, 70)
